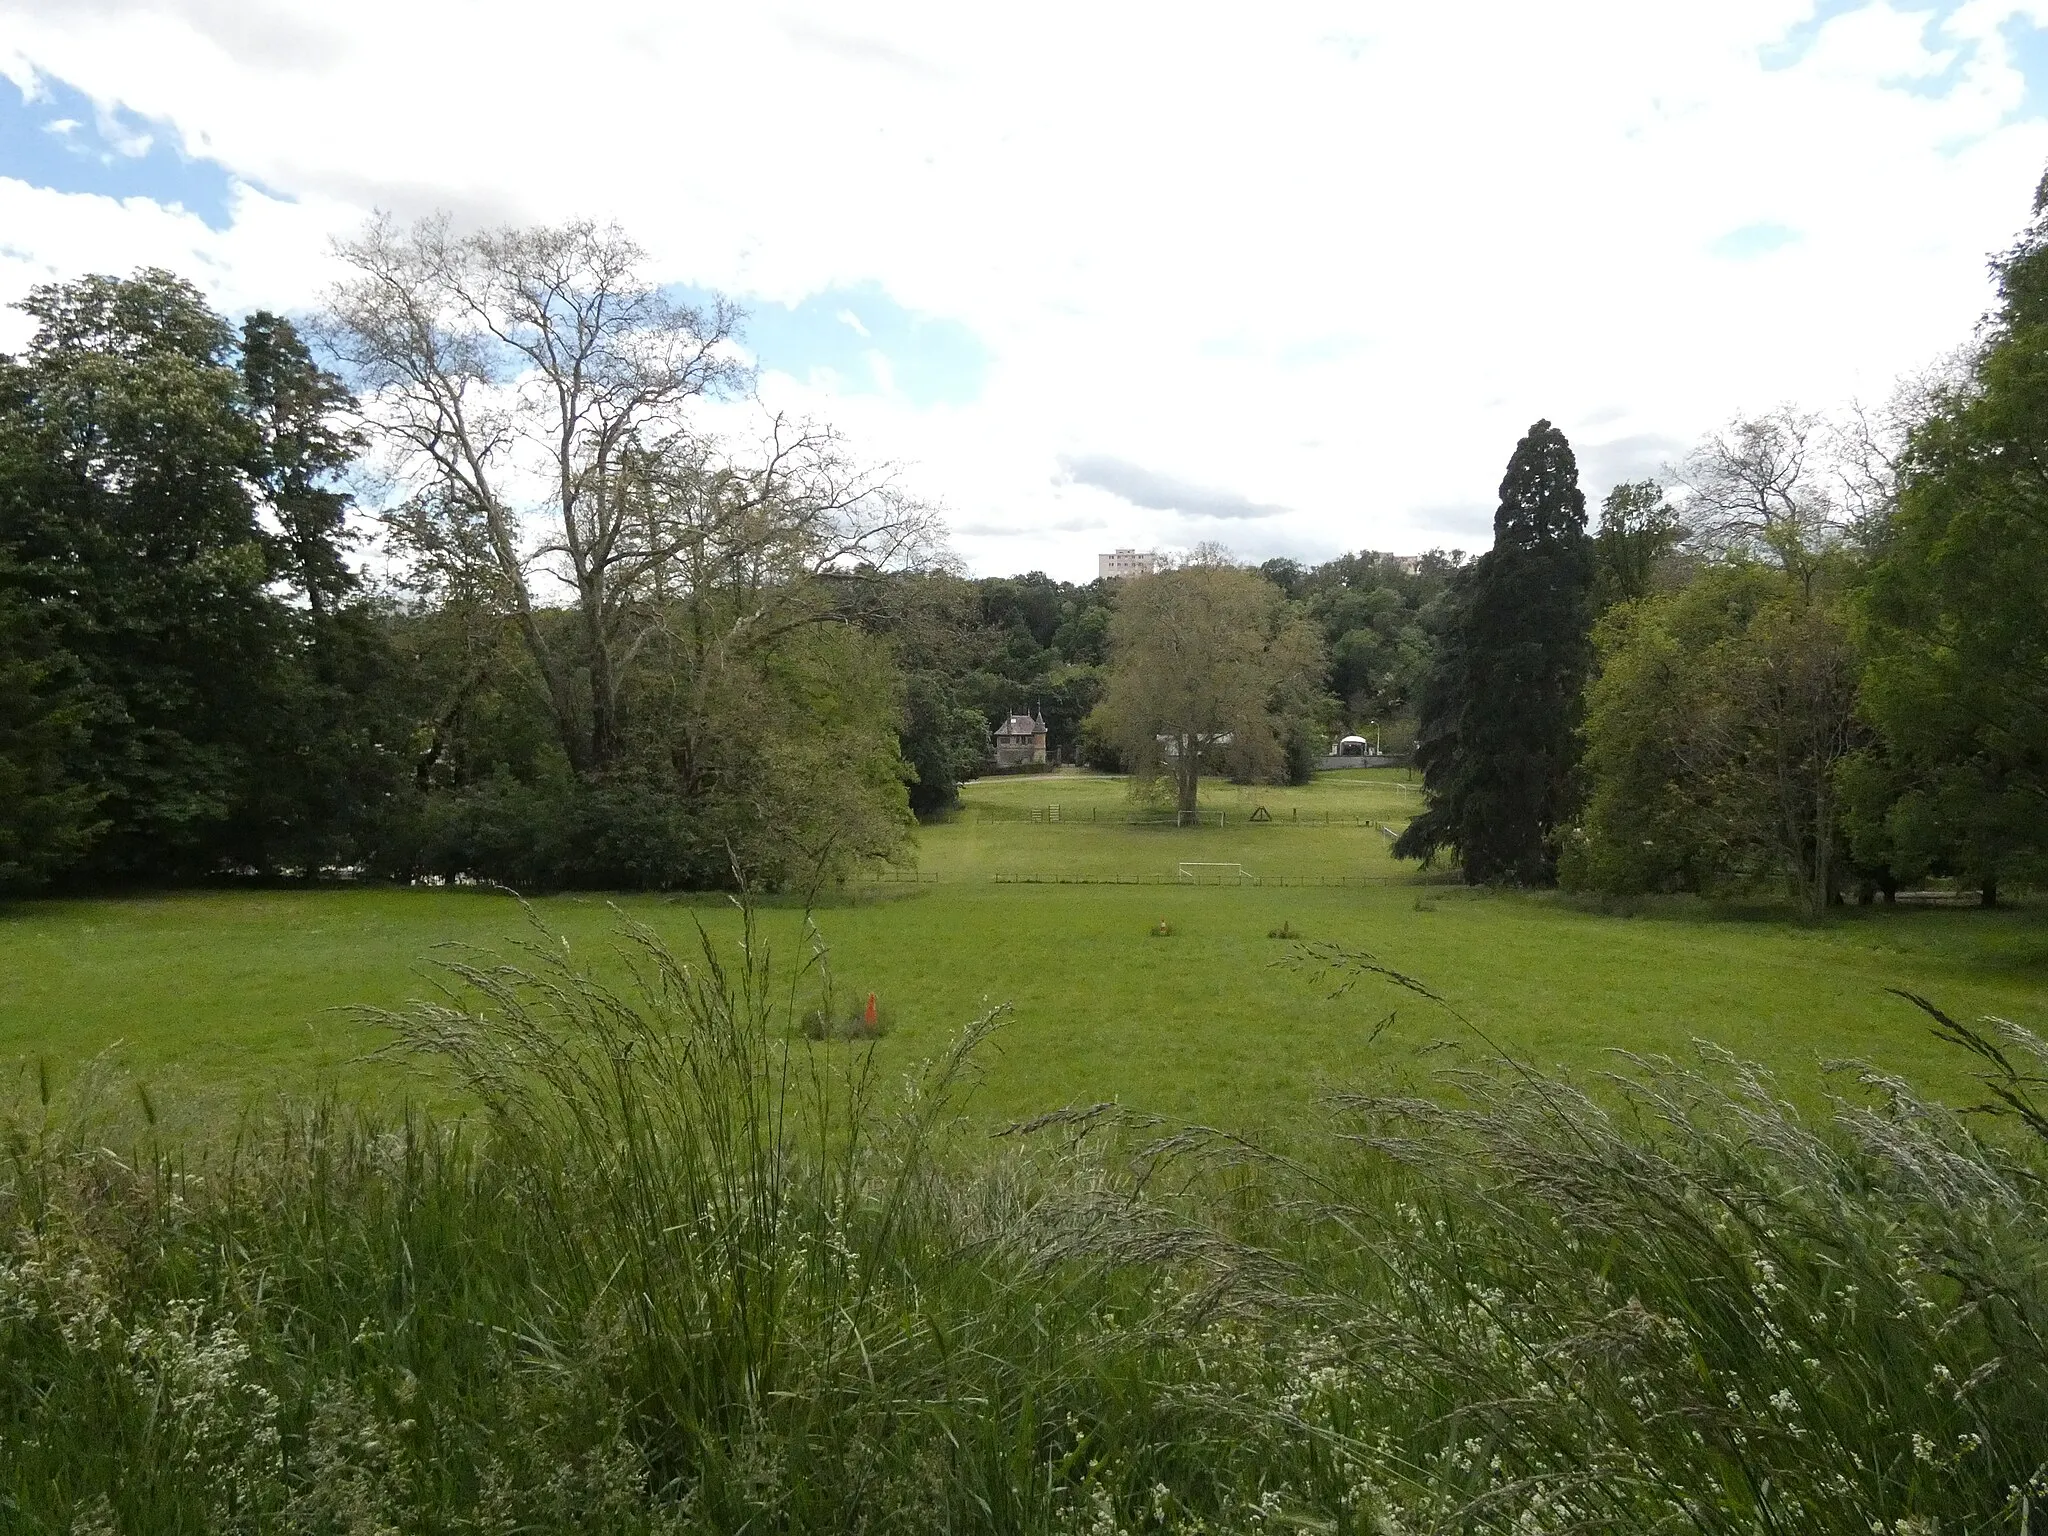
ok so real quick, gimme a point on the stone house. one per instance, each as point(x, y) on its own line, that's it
point(1020, 740)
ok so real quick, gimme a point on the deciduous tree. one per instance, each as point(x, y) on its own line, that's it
point(1208, 667)
point(47, 807)
point(539, 395)
point(127, 525)
point(521, 380)
point(1766, 488)
point(1716, 736)
point(1638, 531)
point(304, 443)
point(1955, 610)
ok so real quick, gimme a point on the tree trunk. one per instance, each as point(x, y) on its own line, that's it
point(604, 684)
point(1187, 775)
point(443, 728)
point(561, 696)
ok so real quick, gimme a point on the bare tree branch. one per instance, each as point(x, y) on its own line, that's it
point(1763, 487)
point(540, 398)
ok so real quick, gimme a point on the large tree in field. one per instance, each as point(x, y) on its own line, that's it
point(1501, 706)
point(1208, 667)
point(1955, 608)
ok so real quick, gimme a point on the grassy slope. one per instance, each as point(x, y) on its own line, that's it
point(224, 993)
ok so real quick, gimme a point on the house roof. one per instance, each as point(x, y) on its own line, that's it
point(1020, 725)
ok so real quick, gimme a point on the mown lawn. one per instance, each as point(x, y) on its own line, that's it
point(1330, 829)
point(214, 996)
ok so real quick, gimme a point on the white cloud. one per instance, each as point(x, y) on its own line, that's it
point(1149, 489)
point(1334, 266)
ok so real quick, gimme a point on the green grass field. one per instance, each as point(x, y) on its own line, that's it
point(1326, 830)
point(215, 996)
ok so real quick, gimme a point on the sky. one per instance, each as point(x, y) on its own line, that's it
point(1288, 278)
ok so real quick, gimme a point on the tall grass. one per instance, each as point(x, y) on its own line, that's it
point(685, 1270)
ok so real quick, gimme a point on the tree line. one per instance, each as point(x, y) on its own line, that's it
point(605, 647)
point(1818, 655)
point(454, 581)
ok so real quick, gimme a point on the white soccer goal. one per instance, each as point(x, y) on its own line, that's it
point(1194, 869)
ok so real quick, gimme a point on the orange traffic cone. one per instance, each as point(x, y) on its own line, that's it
point(868, 1018)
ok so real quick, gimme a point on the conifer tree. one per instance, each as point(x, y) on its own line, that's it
point(1500, 710)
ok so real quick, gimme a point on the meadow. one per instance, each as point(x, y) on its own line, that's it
point(216, 997)
point(651, 1263)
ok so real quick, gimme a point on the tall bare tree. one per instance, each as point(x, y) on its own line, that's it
point(1765, 487)
point(540, 400)
point(1871, 441)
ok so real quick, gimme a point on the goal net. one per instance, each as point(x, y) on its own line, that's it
point(1198, 869)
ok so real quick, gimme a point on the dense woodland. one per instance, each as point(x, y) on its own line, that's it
point(452, 582)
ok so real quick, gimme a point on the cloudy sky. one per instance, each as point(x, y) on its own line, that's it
point(1292, 278)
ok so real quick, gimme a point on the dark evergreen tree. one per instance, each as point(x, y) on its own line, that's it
point(1501, 704)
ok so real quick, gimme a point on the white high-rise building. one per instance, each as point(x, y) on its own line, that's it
point(1125, 562)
